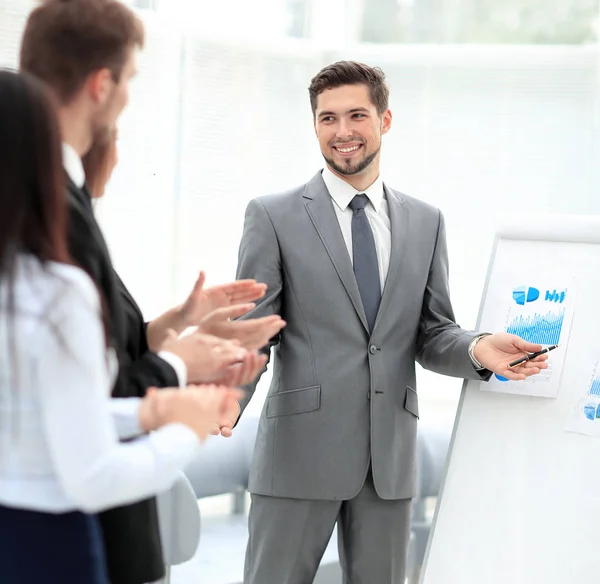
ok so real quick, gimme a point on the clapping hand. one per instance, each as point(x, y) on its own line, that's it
point(202, 301)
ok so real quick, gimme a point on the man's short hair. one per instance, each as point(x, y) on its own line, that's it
point(67, 40)
point(351, 73)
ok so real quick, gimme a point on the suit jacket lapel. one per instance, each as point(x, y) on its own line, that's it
point(88, 248)
point(81, 199)
point(399, 225)
point(321, 212)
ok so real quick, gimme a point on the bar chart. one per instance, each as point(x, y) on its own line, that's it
point(595, 384)
point(541, 328)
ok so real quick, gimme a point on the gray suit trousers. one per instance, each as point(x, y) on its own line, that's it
point(288, 538)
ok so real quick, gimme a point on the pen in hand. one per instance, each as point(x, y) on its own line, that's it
point(531, 356)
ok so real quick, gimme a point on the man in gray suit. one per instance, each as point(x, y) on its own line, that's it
point(360, 273)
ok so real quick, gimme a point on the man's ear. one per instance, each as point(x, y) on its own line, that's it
point(386, 121)
point(98, 85)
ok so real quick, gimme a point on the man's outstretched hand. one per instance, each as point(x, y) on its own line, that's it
point(496, 351)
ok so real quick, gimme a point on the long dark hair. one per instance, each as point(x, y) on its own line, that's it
point(33, 207)
point(33, 192)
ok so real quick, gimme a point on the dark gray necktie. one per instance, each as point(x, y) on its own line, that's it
point(366, 268)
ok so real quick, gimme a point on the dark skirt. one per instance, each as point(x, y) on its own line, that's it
point(37, 547)
point(132, 543)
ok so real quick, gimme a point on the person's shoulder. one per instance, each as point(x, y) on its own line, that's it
point(275, 201)
point(412, 203)
point(284, 198)
point(48, 288)
point(74, 283)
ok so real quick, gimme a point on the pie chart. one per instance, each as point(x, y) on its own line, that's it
point(523, 294)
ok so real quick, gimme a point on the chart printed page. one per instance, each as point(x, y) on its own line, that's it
point(584, 417)
point(539, 310)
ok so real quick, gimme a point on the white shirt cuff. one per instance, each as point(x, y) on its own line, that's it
point(125, 415)
point(178, 365)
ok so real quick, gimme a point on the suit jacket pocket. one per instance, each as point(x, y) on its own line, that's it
point(411, 401)
point(294, 401)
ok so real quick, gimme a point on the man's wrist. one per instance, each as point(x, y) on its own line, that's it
point(180, 323)
point(471, 351)
point(178, 365)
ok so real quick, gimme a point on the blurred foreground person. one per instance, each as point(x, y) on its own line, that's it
point(60, 455)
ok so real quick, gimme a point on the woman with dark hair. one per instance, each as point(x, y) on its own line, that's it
point(60, 456)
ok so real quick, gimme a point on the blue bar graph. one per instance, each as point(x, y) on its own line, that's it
point(543, 329)
point(595, 387)
point(555, 296)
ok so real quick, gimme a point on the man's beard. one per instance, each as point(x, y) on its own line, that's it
point(101, 130)
point(102, 135)
point(350, 170)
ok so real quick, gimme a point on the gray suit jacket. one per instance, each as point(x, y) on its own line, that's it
point(340, 396)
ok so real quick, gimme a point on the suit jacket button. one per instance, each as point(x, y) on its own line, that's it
point(369, 394)
point(373, 349)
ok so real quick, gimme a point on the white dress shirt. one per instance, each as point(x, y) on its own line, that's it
point(74, 168)
point(59, 430)
point(377, 212)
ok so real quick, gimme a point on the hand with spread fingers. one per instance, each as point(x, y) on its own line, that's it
point(252, 333)
point(200, 303)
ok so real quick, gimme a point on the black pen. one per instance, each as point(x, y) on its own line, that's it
point(532, 356)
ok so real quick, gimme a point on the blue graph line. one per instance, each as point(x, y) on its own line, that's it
point(543, 329)
point(595, 387)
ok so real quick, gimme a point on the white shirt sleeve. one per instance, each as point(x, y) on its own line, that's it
point(124, 412)
point(178, 365)
point(73, 384)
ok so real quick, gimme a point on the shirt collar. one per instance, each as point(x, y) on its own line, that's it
point(342, 192)
point(73, 165)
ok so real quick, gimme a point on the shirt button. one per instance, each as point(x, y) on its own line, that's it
point(373, 349)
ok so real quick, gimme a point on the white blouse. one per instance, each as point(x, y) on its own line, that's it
point(59, 429)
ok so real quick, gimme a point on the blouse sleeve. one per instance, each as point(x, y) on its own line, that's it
point(93, 467)
point(124, 412)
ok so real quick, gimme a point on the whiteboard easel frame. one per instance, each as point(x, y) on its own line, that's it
point(551, 228)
